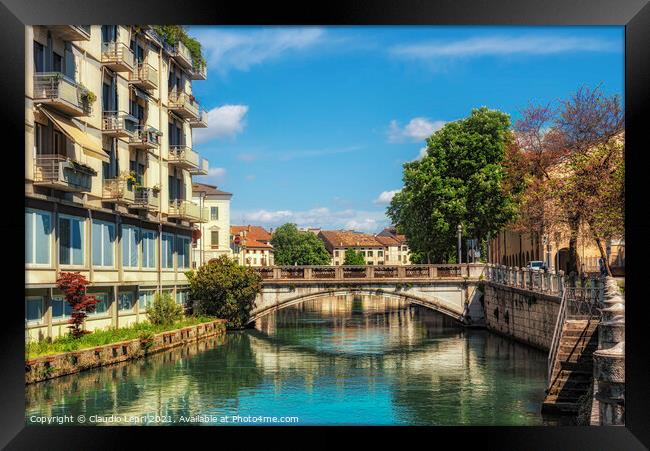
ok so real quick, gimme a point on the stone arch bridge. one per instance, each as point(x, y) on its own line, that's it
point(448, 289)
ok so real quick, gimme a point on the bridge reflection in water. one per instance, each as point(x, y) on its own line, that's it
point(355, 360)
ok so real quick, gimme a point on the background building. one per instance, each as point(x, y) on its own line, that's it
point(214, 238)
point(251, 245)
point(109, 114)
point(386, 248)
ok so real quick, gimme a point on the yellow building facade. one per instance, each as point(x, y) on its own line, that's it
point(109, 114)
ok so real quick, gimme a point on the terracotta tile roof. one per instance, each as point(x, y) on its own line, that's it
point(339, 238)
point(392, 232)
point(252, 236)
point(387, 240)
point(207, 189)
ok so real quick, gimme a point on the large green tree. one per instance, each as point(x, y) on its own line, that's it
point(295, 247)
point(353, 257)
point(224, 289)
point(458, 181)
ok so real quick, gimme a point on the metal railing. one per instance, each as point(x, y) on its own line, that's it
point(201, 121)
point(118, 53)
point(57, 87)
point(119, 122)
point(145, 75)
point(182, 54)
point(146, 198)
point(145, 135)
point(118, 190)
point(555, 342)
point(182, 154)
point(183, 102)
point(202, 169)
point(62, 172)
point(383, 272)
point(185, 209)
point(199, 71)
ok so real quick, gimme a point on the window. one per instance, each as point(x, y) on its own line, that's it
point(183, 252)
point(380, 253)
point(57, 62)
point(61, 309)
point(101, 307)
point(369, 253)
point(71, 241)
point(336, 253)
point(149, 248)
point(33, 309)
point(145, 299)
point(103, 243)
point(214, 238)
point(404, 248)
point(168, 251)
point(130, 241)
point(38, 233)
point(181, 297)
point(39, 61)
point(126, 301)
point(214, 213)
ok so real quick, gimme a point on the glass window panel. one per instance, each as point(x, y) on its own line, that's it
point(126, 301)
point(34, 309)
point(102, 302)
point(57, 308)
point(64, 241)
point(43, 230)
point(108, 239)
point(97, 244)
point(77, 242)
point(29, 237)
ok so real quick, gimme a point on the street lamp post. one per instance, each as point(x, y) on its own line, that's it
point(460, 256)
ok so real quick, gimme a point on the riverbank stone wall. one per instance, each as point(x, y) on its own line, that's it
point(525, 316)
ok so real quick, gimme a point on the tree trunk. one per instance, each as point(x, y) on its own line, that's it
point(603, 255)
point(572, 264)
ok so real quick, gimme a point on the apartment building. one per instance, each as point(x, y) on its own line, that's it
point(376, 249)
point(251, 245)
point(214, 235)
point(109, 114)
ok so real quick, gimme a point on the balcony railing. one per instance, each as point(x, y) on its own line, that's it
point(183, 156)
point(182, 55)
point(119, 123)
point(187, 210)
point(145, 137)
point(118, 57)
point(184, 105)
point(118, 191)
point(199, 72)
point(62, 93)
point(146, 199)
point(62, 173)
point(71, 32)
point(202, 169)
point(201, 121)
point(145, 76)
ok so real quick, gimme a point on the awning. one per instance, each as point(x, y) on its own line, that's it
point(91, 145)
point(140, 93)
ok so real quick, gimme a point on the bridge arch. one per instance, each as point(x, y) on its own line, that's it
point(430, 301)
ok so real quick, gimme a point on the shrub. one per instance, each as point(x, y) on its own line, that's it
point(164, 310)
point(224, 289)
point(73, 285)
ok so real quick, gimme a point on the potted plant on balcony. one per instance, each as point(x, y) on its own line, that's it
point(156, 188)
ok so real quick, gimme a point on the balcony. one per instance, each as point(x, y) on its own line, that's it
point(118, 57)
point(62, 173)
point(71, 32)
point(145, 137)
point(119, 124)
point(182, 55)
point(187, 211)
point(184, 105)
point(117, 190)
point(62, 93)
point(202, 121)
point(183, 157)
point(199, 72)
point(146, 199)
point(202, 169)
point(145, 76)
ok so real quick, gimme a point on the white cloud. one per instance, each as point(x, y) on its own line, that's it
point(362, 221)
point(503, 45)
point(417, 129)
point(386, 196)
point(223, 122)
point(226, 50)
point(215, 176)
point(422, 153)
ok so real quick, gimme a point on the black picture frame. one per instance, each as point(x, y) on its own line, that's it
point(633, 14)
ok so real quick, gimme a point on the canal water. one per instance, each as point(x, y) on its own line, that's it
point(343, 360)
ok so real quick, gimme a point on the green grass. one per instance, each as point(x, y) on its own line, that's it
point(107, 336)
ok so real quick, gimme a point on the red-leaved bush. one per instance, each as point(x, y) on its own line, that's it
point(73, 285)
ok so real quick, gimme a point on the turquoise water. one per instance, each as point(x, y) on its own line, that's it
point(345, 360)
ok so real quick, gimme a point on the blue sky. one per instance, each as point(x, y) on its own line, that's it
point(311, 125)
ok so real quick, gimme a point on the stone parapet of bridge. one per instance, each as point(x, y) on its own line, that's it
point(386, 273)
point(540, 281)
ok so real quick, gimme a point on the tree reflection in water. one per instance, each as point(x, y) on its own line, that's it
point(338, 360)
